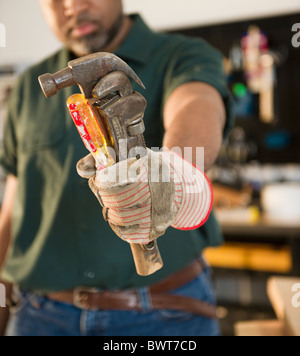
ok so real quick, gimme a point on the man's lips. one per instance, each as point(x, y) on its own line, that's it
point(84, 29)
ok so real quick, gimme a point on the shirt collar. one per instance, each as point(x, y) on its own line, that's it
point(137, 45)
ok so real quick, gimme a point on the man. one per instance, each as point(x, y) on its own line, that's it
point(58, 240)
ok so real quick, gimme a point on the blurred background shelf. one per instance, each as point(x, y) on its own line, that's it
point(251, 257)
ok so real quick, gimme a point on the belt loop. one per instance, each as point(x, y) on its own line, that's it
point(145, 299)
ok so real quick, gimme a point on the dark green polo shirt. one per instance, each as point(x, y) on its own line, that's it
point(59, 237)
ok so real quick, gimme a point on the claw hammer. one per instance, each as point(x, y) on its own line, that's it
point(87, 73)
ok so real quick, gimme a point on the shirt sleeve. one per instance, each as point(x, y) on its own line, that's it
point(196, 60)
point(8, 151)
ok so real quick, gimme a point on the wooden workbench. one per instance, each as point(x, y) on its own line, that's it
point(284, 295)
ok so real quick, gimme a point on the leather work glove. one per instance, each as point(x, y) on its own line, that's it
point(142, 197)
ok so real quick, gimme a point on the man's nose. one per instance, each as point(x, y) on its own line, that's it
point(75, 7)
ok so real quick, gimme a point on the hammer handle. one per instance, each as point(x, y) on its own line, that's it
point(146, 257)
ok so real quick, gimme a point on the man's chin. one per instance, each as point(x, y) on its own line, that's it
point(80, 52)
point(85, 47)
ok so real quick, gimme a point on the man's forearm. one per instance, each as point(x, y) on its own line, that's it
point(195, 117)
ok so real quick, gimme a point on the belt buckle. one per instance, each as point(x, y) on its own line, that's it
point(79, 300)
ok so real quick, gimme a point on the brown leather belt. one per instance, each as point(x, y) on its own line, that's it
point(93, 299)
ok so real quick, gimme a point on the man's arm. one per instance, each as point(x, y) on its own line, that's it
point(194, 116)
point(5, 232)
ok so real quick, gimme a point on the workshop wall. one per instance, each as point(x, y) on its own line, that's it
point(278, 141)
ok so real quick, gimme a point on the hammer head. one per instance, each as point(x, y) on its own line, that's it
point(86, 72)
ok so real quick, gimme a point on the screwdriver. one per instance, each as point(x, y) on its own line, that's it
point(89, 130)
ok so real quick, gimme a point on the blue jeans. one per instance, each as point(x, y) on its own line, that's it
point(36, 315)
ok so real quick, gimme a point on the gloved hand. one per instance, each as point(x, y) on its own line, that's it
point(142, 198)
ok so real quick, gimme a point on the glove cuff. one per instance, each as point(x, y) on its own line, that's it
point(193, 193)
